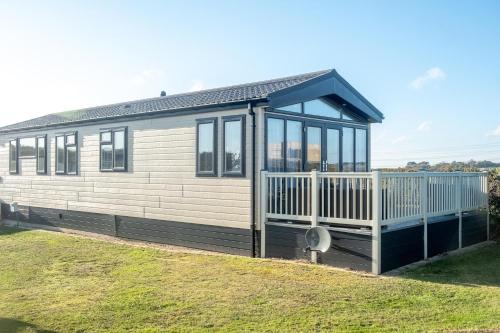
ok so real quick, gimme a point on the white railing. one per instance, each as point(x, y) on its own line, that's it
point(373, 200)
point(349, 198)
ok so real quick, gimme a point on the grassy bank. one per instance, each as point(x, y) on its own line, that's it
point(59, 283)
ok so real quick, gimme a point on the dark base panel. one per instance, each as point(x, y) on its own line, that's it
point(198, 236)
point(348, 250)
point(68, 219)
point(401, 247)
point(442, 235)
point(286, 243)
point(474, 228)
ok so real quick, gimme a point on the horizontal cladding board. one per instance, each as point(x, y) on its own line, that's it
point(201, 246)
point(175, 234)
point(198, 213)
point(127, 202)
point(105, 211)
point(199, 220)
point(237, 231)
point(167, 147)
point(64, 188)
point(131, 191)
point(62, 181)
point(144, 156)
point(106, 206)
point(103, 179)
point(196, 206)
point(117, 175)
point(206, 202)
point(120, 195)
point(104, 185)
point(56, 196)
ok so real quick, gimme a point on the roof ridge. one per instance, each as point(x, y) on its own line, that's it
point(240, 85)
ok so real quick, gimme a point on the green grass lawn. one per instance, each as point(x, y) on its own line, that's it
point(53, 282)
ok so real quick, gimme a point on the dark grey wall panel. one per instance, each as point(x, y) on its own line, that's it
point(474, 228)
point(90, 222)
point(205, 237)
point(442, 235)
point(348, 250)
point(285, 242)
point(402, 247)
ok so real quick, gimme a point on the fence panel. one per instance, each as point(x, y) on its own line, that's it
point(347, 197)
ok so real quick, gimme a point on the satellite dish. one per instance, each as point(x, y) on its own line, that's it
point(318, 239)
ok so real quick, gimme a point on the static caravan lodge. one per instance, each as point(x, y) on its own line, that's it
point(245, 169)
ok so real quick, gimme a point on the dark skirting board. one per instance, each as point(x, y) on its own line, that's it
point(198, 236)
point(442, 235)
point(401, 247)
point(474, 228)
point(348, 249)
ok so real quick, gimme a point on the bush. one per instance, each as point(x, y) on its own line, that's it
point(494, 201)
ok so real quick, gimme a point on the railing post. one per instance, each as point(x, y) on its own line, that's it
point(487, 204)
point(264, 192)
point(314, 208)
point(377, 222)
point(424, 200)
point(459, 204)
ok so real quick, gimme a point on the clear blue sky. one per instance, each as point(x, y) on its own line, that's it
point(432, 67)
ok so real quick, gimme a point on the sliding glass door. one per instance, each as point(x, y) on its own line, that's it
point(303, 145)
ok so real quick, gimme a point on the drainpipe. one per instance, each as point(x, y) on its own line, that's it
point(252, 187)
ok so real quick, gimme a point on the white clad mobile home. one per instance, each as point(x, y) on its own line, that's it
point(234, 170)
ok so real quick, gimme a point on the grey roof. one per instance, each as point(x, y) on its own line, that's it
point(211, 97)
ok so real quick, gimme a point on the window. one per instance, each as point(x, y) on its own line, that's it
point(27, 148)
point(345, 116)
point(41, 155)
point(113, 144)
point(13, 161)
point(284, 149)
point(333, 149)
point(296, 108)
point(293, 145)
point(319, 107)
point(313, 159)
point(348, 149)
point(206, 147)
point(234, 146)
point(361, 152)
point(275, 144)
point(60, 154)
point(66, 154)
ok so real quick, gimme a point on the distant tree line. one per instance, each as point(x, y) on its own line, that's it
point(470, 166)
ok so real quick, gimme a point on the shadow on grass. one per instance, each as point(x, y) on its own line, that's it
point(14, 325)
point(480, 267)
